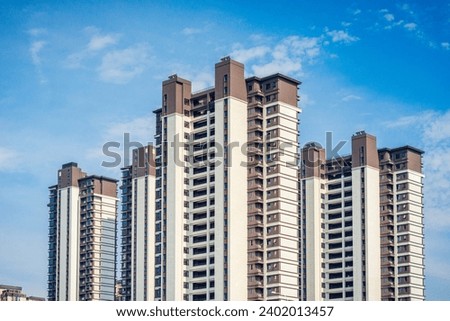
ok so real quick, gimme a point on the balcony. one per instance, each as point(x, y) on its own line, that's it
point(255, 296)
point(255, 259)
point(273, 230)
point(254, 138)
point(272, 182)
point(255, 174)
point(255, 221)
point(255, 210)
point(255, 246)
point(255, 233)
point(255, 283)
point(255, 184)
point(255, 197)
point(256, 124)
point(255, 113)
point(273, 279)
point(258, 269)
point(386, 179)
point(273, 206)
point(254, 151)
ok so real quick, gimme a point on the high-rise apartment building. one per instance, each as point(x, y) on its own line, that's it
point(362, 223)
point(219, 209)
point(341, 223)
point(82, 236)
point(138, 227)
point(227, 201)
point(402, 230)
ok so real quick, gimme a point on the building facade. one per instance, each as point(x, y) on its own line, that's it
point(402, 229)
point(213, 241)
point(82, 236)
point(341, 223)
point(362, 223)
point(15, 293)
point(138, 227)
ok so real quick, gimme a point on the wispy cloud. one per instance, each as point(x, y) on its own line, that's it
point(288, 55)
point(34, 32)
point(9, 159)
point(350, 98)
point(341, 36)
point(306, 100)
point(96, 44)
point(445, 45)
point(35, 49)
point(437, 128)
point(411, 120)
point(121, 66)
point(201, 80)
point(357, 12)
point(189, 31)
point(99, 42)
point(389, 17)
point(140, 131)
point(35, 53)
point(411, 26)
point(245, 55)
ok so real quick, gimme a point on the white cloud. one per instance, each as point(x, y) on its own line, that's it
point(140, 129)
point(244, 55)
point(35, 49)
point(99, 42)
point(437, 129)
point(189, 31)
point(140, 132)
point(287, 56)
point(411, 120)
point(121, 66)
point(285, 66)
point(357, 12)
point(389, 17)
point(260, 38)
point(341, 36)
point(96, 44)
point(202, 80)
point(37, 32)
point(9, 159)
point(350, 98)
point(445, 45)
point(410, 26)
point(345, 24)
point(306, 100)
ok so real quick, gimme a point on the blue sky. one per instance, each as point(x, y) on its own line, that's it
point(77, 75)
